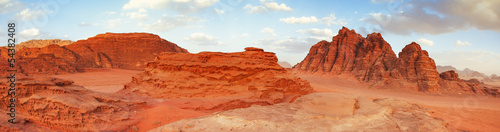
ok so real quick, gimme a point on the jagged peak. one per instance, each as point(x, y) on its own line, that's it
point(345, 29)
point(413, 47)
point(374, 35)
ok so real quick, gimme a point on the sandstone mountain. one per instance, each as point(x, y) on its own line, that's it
point(42, 43)
point(237, 80)
point(494, 76)
point(372, 60)
point(110, 50)
point(48, 104)
point(466, 73)
point(442, 69)
point(284, 64)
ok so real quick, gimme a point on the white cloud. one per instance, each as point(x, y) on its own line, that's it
point(140, 15)
point(469, 59)
point(300, 20)
point(85, 24)
point(438, 17)
point(30, 33)
point(218, 11)
point(7, 6)
point(331, 19)
point(183, 6)
point(328, 20)
point(290, 44)
point(266, 6)
point(425, 42)
point(460, 43)
point(200, 37)
point(110, 24)
point(318, 32)
point(245, 35)
point(203, 39)
point(255, 9)
point(28, 14)
point(110, 13)
point(269, 31)
point(273, 6)
point(166, 23)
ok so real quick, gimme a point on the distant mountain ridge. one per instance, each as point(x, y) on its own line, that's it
point(467, 73)
point(284, 64)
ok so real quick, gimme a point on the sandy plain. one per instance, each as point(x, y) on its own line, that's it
point(463, 112)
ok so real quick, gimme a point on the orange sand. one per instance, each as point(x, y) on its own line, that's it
point(467, 113)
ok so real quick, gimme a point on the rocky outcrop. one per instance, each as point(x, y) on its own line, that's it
point(240, 79)
point(110, 50)
point(122, 50)
point(42, 43)
point(452, 83)
point(349, 53)
point(449, 75)
point(415, 66)
point(494, 76)
point(318, 112)
point(47, 104)
point(466, 73)
point(372, 60)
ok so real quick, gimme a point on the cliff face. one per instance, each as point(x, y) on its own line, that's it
point(42, 43)
point(57, 104)
point(122, 50)
point(110, 50)
point(372, 60)
point(414, 65)
point(350, 53)
point(250, 77)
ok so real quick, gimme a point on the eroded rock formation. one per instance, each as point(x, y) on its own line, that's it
point(452, 83)
point(123, 50)
point(241, 78)
point(110, 50)
point(349, 53)
point(47, 104)
point(372, 60)
point(415, 66)
point(42, 43)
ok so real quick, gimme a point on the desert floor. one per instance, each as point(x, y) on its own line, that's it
point(463, 112)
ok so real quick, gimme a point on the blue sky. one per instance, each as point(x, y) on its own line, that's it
point(461, 33)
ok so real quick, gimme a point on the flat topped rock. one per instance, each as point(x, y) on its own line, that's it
point(254, 49)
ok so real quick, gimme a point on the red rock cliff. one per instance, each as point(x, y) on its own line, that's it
point(372, 60)
point(48, 104)
point(110, 50)
point(415, 65)
point(349, 53)
point(250, 77)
